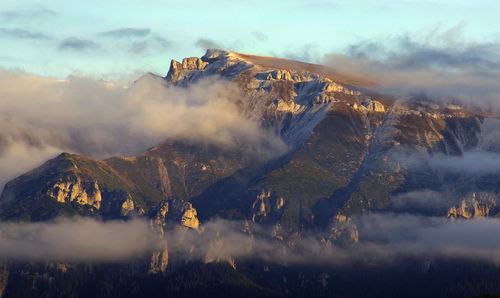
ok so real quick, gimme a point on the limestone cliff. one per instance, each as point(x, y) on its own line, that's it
point(477, 205)
point(170, 213)
point(77, 191)
point(342, 231)
point(4, 278)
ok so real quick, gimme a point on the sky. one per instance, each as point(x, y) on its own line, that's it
point(120, 40)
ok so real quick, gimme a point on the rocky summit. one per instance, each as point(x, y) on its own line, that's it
point(348, 150)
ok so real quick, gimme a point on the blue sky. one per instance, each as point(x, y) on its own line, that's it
point(119, 40)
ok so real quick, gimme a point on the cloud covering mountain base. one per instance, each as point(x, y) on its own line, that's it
point(384, 238)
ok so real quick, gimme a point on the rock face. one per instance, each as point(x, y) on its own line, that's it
point(179, 70)
point(171, 212)
point(4, 278)
point(127, 206)
point(159, 259)
point(480, 205)
point(69, 191)
point(342, 231)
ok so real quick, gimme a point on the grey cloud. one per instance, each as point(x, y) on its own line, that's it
point(138, 47)
point(29, 14)
point(473, 163)
point(148, 45)
point(206, 43)
point(260, 36)
point(383, 238)
point(95, 240)
point(423, 201)
point(126, 32)
point(304, 53)
point(77, 44)
point(22, 33)
point(433, 236)
point(161, 41)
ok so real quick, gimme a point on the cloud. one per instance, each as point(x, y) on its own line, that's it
point(126, 32)
point(260, 36)
point(99, 119)
point(422, 201)
point(440, 63)
point(146, 46)
point(77, 239)
point(16, 157)
point(27, 14)
point(383, 238)
point(432, 236)
point(471, 163)
point(206, 43)
point(161, 41)
point(77, 44)
point(22, 33)
point(306, 53)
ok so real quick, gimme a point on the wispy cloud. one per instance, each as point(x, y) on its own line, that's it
point(21, 33)
point(78, 45)
point(260, 36)
point(206, 43)
point(126, 32)
point(27, 14)
point(149, 45)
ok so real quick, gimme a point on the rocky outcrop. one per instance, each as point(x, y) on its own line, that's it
point(189, 217)
point(179, 71)
point(159, 258)
point(4, 278)
point(342, 231)
point(127, 206)
point(373, 105)
point(259, 206)
point(165, 186)
point(170, 213)
point(478, 205)
point(83, 193)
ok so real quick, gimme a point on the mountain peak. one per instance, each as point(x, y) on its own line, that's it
point(220, 58)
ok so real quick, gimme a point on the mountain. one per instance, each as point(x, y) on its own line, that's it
point(346, 148)
point(343, 149)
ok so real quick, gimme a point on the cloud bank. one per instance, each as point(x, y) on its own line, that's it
point(439, 63)
point(40, 117)
point(384, 238)
point(77, 239)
